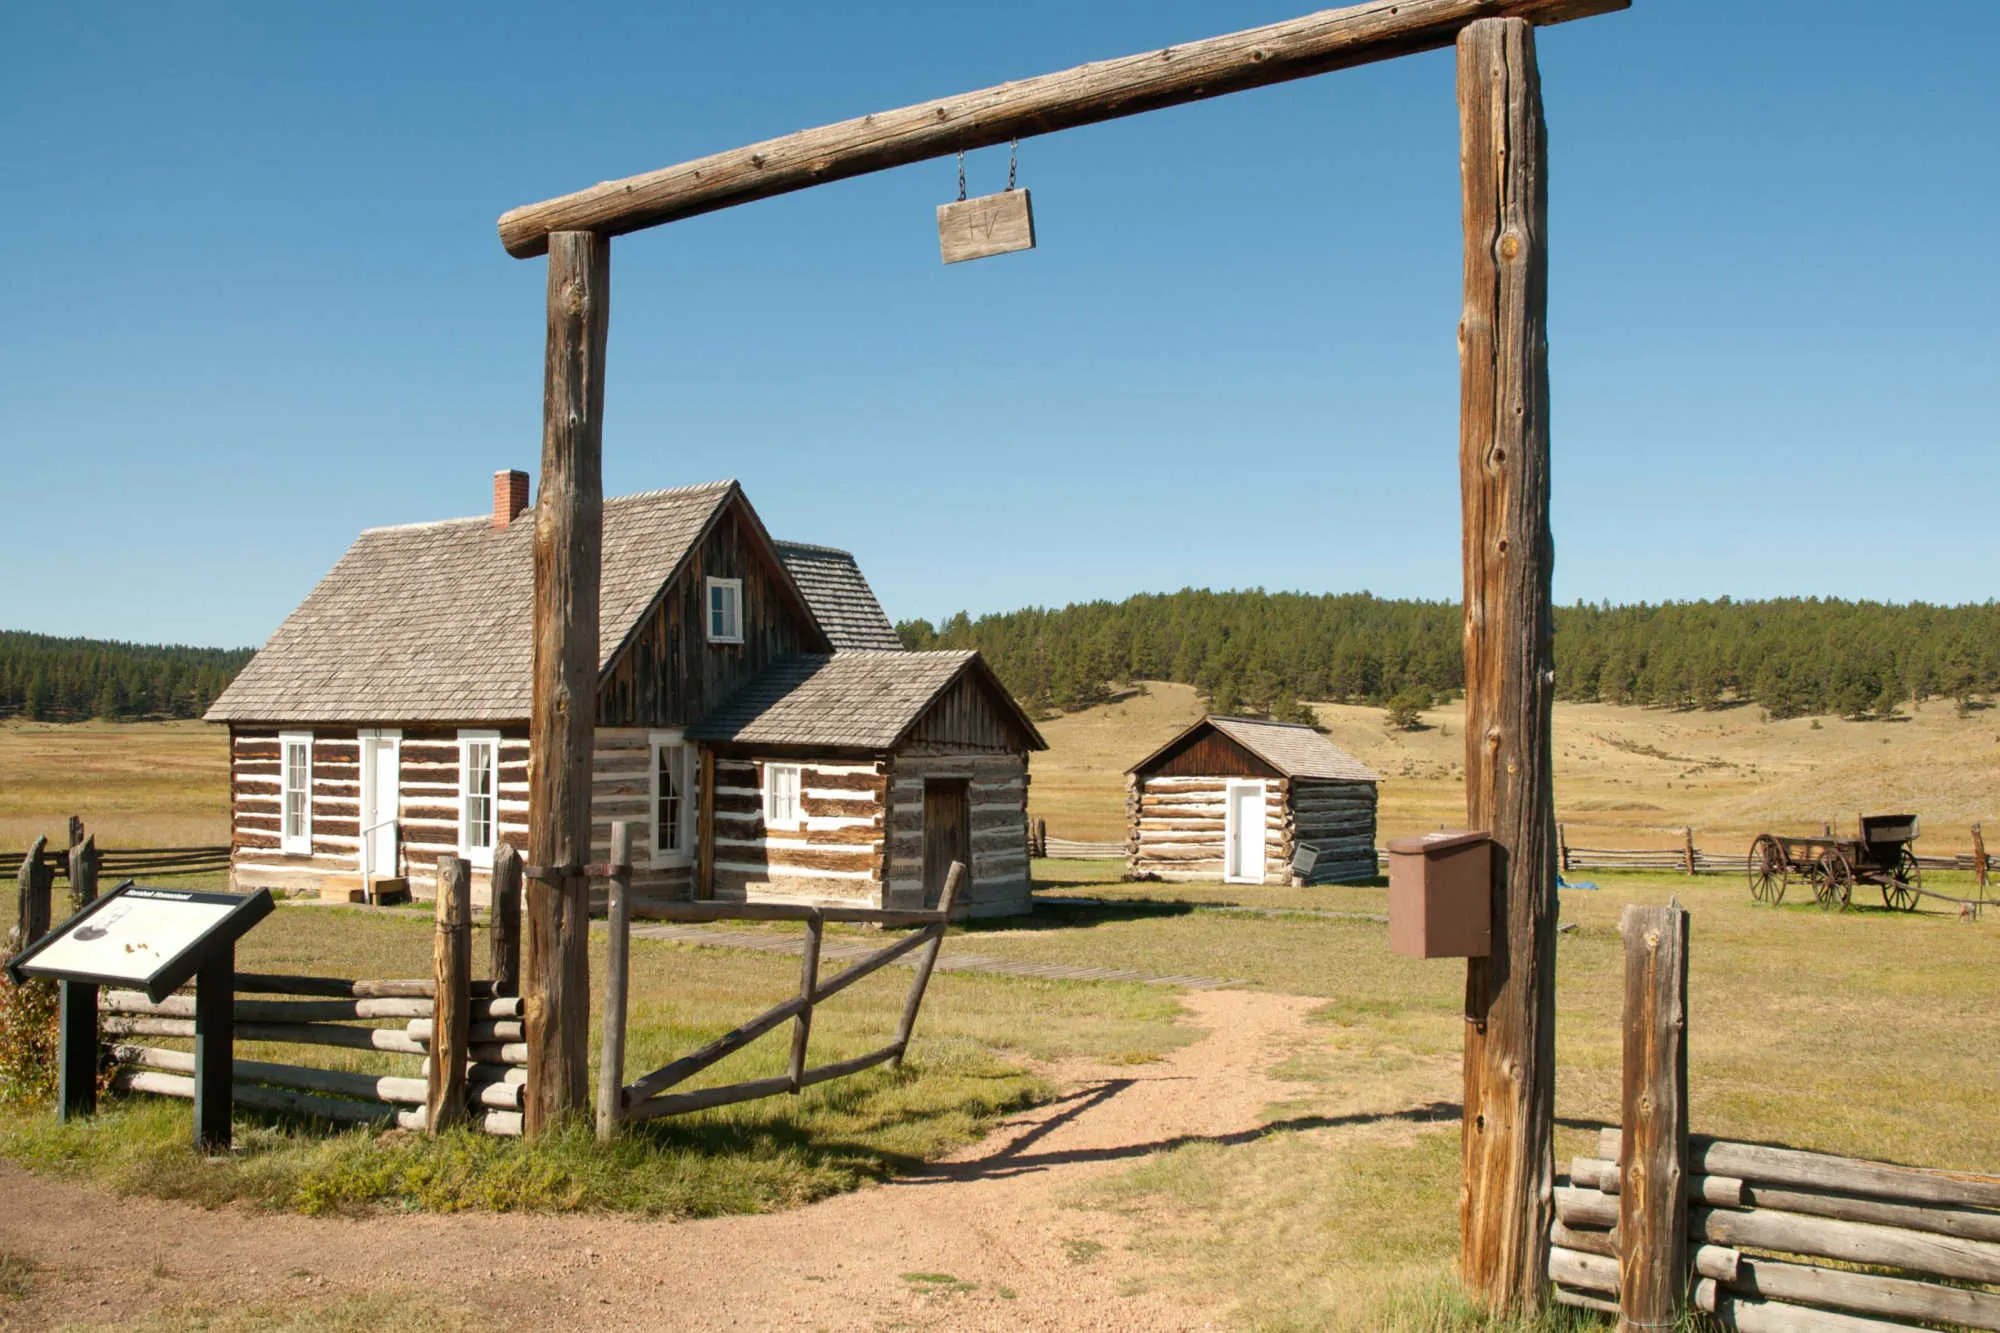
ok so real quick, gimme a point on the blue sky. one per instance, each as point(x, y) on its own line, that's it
point(255, 303)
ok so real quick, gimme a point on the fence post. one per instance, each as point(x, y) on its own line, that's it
point(504, 921)
point(75, 829)
point(1688, 847)
point(34, 882)
point(1652, 1166)
point(617, 969)
point(451, 1006)
point(915, 999)
point(1562, 848)
point(808, 983)
point(1979, 859)
point(84, 860)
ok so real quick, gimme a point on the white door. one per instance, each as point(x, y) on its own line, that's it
point(380, 799)
point(1244, 833)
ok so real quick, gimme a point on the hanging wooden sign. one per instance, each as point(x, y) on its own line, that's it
point(995, 224)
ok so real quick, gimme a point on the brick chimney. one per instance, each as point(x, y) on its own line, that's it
point(510, 496)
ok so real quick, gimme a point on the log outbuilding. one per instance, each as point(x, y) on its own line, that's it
point(1234, 798)
point(758, 723)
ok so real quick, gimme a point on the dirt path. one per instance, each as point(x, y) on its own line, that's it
point(980, 1241)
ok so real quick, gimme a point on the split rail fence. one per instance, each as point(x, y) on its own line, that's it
point(1759, 1238)
point(620, 1103)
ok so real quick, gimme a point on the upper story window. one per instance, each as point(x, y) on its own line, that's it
point(478, 795)
point(673, 806)
point(295, 830)
point(781, 796)
point(725, 610)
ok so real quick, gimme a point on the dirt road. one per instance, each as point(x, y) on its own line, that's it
point(983, 1240)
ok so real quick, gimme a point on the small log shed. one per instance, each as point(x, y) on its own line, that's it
point(1233, 798)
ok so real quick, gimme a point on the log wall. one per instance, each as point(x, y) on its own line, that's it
point(621, 787)
point(1339, 817)
point(1177, 828)
point(836, 858)
point(998, 884)
point(427, 806)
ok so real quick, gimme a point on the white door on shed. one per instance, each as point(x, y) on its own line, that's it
point(1243, 863)
point(381, 799)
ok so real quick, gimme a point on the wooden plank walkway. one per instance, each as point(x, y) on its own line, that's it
point(838, 949)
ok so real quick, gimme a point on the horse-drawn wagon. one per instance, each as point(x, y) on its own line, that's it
point(1831, 866)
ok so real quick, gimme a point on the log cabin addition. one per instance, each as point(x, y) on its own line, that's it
point(758, 721)
point(1234, 798)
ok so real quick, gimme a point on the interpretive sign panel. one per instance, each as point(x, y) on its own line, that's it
point(149, 938)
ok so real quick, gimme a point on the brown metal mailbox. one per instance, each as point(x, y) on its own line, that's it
point(1441, 895)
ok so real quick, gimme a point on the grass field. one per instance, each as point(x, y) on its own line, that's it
point(1625, 777)
point(136, 784)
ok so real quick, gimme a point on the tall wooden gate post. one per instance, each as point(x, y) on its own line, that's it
point(1506, 1204)
point(451, 1004)
point(1653, 1152)
point(569, 525)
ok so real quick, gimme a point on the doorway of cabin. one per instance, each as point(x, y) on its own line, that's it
point(947, 832)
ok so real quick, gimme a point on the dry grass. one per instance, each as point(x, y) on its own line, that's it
point(1625, 777)
point(1868, 1033)
point(136, 784)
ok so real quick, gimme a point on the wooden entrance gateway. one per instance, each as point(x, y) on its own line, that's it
point(1508, 1169)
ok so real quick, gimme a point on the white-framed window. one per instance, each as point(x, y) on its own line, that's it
point(478, 795)
point(672, 791)
point(782, 806)
point(295, 809)
point(725, 610)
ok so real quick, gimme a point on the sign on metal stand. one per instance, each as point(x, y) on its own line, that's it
point(156, 940)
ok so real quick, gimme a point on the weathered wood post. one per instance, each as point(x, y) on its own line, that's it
point(1506, 1204)
point(808, 983)
point(617, 970)
point(1687, 847)
point(451, 1003)
point(569, 524)
point(1562, 849)
point(954, 879)
point(84, 863)
point(35, 882)
point(504, 922)
point(1979, 859)
point(1653, 1152)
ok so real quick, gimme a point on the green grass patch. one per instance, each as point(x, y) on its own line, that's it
point(375, 1312)
point(17, 1276)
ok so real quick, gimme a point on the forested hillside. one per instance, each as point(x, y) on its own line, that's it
point(1265, 651)
point(70, 679)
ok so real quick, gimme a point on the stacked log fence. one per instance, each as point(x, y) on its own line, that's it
point(1756, 1237)
point(474, 1074)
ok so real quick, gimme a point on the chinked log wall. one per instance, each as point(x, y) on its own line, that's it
point(621, 787)
point(836, 856)
point(1339, 819)
point(427, 807)
point(1179, 825)
point(998, 785)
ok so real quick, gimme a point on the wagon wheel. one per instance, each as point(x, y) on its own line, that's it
point(1901, 892)
point(1833, 882)
point(1767, 870)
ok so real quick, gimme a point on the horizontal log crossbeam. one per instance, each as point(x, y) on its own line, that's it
point(1086, 95)
point(650, 1097)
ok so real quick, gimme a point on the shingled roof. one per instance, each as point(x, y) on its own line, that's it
point(863, 699)
point(1294, 749)
point(840, 598)
point(433, 621)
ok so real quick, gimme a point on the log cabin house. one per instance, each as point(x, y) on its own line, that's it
point(1233, 798)
point(757, 719)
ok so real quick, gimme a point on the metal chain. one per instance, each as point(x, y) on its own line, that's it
point(1013, 160)
point(961, 175)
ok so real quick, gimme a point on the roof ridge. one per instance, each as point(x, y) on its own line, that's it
point(1260, 721)
point(812, 546)
point(670, 492)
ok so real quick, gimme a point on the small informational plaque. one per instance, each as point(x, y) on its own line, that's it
point(153, 939)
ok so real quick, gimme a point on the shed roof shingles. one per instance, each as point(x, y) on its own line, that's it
point(1294, 749)
point(861, 699)
point(840, 597)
